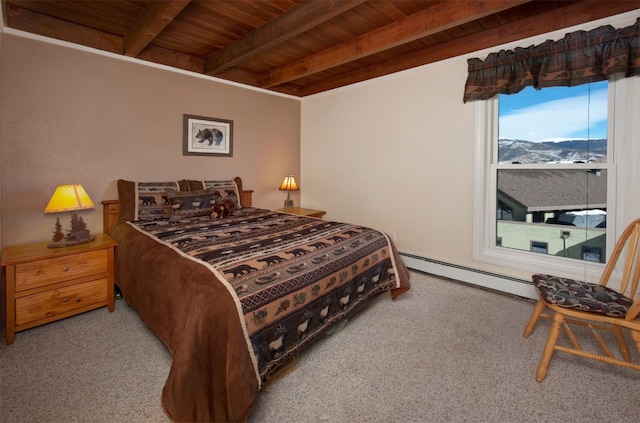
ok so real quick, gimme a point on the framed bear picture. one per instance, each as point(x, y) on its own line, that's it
point(205, 136)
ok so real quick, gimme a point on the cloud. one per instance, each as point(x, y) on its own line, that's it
point(563, 118)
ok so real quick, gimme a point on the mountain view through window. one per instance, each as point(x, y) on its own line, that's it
point(551, 171)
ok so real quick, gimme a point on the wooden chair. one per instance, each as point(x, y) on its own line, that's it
point(593, 305)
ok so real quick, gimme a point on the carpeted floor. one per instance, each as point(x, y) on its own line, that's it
point(444, 351)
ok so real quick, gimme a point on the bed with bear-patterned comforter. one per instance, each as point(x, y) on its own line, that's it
point(235, 298)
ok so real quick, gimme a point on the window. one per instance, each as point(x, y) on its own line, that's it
point(549, 201)
point(539, 247)
point(551, 169)
point(592, 254)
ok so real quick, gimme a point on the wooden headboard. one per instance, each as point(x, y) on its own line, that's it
point(111, 208)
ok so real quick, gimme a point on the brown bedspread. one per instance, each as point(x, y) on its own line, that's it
point(233, 298)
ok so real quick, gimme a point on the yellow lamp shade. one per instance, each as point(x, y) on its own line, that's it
point(289, 184)
point(69, 198)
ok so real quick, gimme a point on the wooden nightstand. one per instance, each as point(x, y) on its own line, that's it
point(303, 212)
point(47, 284)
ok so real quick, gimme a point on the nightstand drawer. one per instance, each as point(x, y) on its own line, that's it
point(43, 305)
point(58, 269)
point(46, 284)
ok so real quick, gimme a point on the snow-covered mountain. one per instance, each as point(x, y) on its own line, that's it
point(566, 151)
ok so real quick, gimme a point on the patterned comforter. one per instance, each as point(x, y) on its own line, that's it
point(290, 279)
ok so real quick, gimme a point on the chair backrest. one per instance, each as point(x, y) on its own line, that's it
point(631, 272)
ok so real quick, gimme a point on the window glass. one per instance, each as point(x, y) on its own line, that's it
point(550, 165)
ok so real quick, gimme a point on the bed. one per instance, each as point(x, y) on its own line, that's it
point(234, 291)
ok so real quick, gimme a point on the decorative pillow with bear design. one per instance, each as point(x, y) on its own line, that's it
point(145, 200)
point(224, 189)
point(186, 204)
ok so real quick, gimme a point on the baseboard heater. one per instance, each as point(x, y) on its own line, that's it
point(495, 281)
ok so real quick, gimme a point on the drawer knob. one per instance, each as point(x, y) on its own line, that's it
point(65, 269)
point(65, 299)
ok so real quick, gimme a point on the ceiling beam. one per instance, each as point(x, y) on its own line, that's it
point(171, 58)
point(25, 20)
point(155, 18)
point(438, 18)
point(571, 15)
point(301, 18)
point(4, 15)
point(28, 21)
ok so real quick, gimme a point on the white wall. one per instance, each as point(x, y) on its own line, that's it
point(397, 154)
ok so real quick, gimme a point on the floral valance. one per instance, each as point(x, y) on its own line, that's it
point(580, 57)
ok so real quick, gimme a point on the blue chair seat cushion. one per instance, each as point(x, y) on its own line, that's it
point(582, 296)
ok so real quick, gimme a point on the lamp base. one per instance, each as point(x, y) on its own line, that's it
point(288, 204)
point(81, 238)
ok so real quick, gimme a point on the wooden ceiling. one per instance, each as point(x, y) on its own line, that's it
point(298, 47)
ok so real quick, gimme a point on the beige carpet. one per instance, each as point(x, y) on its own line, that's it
point(443, 352)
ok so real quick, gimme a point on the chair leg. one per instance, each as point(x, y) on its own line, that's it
point(552, 339)
point(528, 330)
point(624, 350)
point(635, 335)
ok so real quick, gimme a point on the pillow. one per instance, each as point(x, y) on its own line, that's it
point(145, 200)
point(223, 208)
point(186, 204)
point(225, 189)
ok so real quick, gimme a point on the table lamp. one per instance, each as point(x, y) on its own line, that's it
point(289, 184)
point(68, 198)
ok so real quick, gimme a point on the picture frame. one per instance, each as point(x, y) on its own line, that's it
point(205, 136)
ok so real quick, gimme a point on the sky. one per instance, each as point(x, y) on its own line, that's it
point(554, 113)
